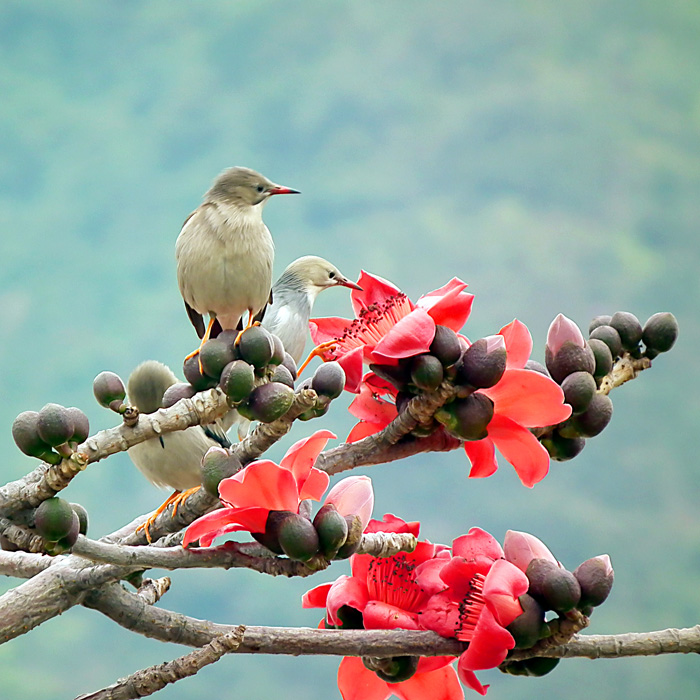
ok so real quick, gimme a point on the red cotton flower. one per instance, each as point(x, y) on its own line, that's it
point(388, 326)
point(384, 594)
point(478, 600)
point(263, 486)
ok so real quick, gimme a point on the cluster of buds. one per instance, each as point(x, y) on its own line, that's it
point(579, 366)
point(571, 596)
point(52, 433)
point(479, 366)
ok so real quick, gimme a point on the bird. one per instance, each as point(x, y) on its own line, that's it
point(293, 297)
point(171, 460)
point(224, 253)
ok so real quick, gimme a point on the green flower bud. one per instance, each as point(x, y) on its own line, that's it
point(468, 418)
point(82, 518)
point(527, 627)
point(332, 529)
point(552, 586)
point(535, 667)
point(214, 355)
point(570, 358)
point(217, 464)
point(603, 357)
point(256, 346)
point(579, 389)
point(269, 402)
point(329, 380)
point(177, 392)
point(560, 448)
point(109, 390)
point(278, 351)
point(660, 332)
point(610, 337)
point(629, 328)
point(197, 379)
point(283, 376)
point(426, 372)
point(54, 519)
point(393, 669)
point(55, 425)
point(237, 380)
point(592, 421)
point(298, 538)
point(291, 365)
point(397, 375)
point(81, 424)
point(597, 322)
point(25, 433)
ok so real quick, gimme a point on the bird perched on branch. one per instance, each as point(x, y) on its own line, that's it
point(225, 252)
point(293, 297)
point(171, 460)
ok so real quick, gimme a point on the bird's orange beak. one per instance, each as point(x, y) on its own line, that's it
point(281, 189)
point(343, 282)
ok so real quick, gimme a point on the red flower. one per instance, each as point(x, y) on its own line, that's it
point(386, 594)
point(522, 399)
point(388, 325)
point(261, 487)
point(479, 598)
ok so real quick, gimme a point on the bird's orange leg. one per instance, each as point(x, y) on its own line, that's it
point(205, 337)
point(318, 351)
point(175, 499)
point(249, 324)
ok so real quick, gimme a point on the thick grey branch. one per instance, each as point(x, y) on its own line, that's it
point(23, 564)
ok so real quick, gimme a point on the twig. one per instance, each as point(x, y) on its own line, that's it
point(624, 369)
point(23, 564)
point(150, 680)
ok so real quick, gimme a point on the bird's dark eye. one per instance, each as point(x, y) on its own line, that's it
point(260, 188)
point(331, 274)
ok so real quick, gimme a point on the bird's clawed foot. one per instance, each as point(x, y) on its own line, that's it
point(318, 351)
point(175, 499)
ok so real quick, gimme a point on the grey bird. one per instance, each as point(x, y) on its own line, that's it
point(225, 253)
point(293, 297)
point(171, 460)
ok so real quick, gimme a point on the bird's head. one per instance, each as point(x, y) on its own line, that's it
point(244, 187)
point(147, 384)
point(317, 274)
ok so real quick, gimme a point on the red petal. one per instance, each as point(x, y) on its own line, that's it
point(375, 290)
point(489, 644)
point(315, 485)
point(349, 591)
point(351, 362)
point(382, 616)
point(324, 329)
point(262, 484)
point(363, 429)
point(482, 456)
point(518, 343)
point(441, 614)
point(301, 456)
point(441, 684)
point(355, 682)
point(477, 542)
point(219, 522)
point(504, 584)
point(449, 306)
point(411, 335)
point(470, 680)
point(529, 398)
point(521, 448)
point(428, 576)
point(392, 523)
point(369, 407)
point(379, 385)
point(316, 597)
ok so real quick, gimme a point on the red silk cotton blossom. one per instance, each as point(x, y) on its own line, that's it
point(388, 326)
point(263, 486)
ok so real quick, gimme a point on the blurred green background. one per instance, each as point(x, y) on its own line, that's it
point(546, 152)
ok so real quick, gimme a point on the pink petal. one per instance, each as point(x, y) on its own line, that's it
point(529, 398)
point(561, 330)
point(521, 448)
point(355, 682)
point(482, 455)
point(300, 457)
point(223, 520)
point(375, 290)
point(392, 523)
point(521, 548)
point(504, 584)
point(382, 616)
point(518, 344)
point(363, 429)
point(263, 484)
point(353, 496)
point(411, 335)
point(489, 644)
point(330, 328)
point(441, 684)
point(475, 543)
point(316, 597)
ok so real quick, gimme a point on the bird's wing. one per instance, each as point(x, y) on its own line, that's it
point(261, 314)
point(215, 432)
point(197, 320)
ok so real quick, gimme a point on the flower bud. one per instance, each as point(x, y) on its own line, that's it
point(393, 669)
point(579, 389)
point(560, 448)
point(353, 496)
point(25, 433)
point(270, 538)
point(599, 321)
point(610, 337)
point(482, 365)
point(603, 357)
point(426, 372)
point(55, 425)
point(535, 667)
point(54, 519)
point(176, 392)
point(82, 518)
point(278, 351)
point(109, 390)
point(237, 380)
point(527, 628)
point(595, 576)
point(195, 377)
point(269, 402)
point(352, 543)
point(256, 346)
point(563, 330)
point(520, 548)
point(566, 351)
point(629, 328)
point(468, 418)
point(397, 375)
point(660, 332)
point(446, 346)
point(291, 365)
point(298, 538)
point(214, 355)
point(332, 529)
point(553, 586)
point(592, 421)
point(329, 380)
point(217, 464)
point(535, 366)
point(81, 424)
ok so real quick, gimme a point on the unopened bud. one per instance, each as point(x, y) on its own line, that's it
point(195, 377)
point(603, 357)
point(109, 390)
point(610, 337)
point(483, 363)
point(214, 355)
point(427, 372)
point(25, 432)
point(595, 576)
point(560, 448)
point(592, 421)
point(446, 346)
point(468, 418)
point(329, 380)
point(332, 529)
point(55, 425)
point(660, 332)
point(629, 328)
point(237, 380)
point(553, 586)
point(393, 669)
point(298, 538)
point(527, 628)
point(217, 464)
point(579, 389)
point(176, 392)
